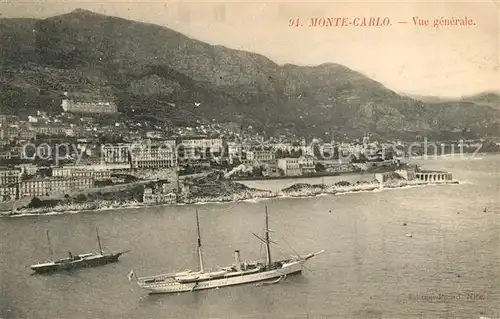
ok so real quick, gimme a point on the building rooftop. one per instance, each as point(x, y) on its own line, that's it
point(430, 171)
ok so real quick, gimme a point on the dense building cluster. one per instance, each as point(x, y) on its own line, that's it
point(43, 155)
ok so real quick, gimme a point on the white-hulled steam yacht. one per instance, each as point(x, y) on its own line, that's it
point(237, 274)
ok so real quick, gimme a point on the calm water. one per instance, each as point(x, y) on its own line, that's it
point(369, 270)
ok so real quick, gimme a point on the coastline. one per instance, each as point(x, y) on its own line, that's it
point(296, 191)
point(370, 171)
point(264, 178)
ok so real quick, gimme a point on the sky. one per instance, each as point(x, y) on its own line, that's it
point(448, 61)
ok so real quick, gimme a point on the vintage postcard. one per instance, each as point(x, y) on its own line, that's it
point(249, 159)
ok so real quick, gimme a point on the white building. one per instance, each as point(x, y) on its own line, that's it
point(234, 151)
point(290, 147)
point(32, 119)
point(113, 154)
point(150, 197)
point(8, 192)
point(70, 171)
point(9, 176)
point(54, 185)
point(261, 156)
point(290, 166)
point(197, 148)
point(27, 168)
point(237, 150)
point(307, 164)
point(154, 155)
point(89, 107)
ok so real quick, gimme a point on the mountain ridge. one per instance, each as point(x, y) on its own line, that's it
point(145, 67)
point(486, 98)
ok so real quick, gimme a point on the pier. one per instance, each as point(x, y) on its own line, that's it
point(416, 174)
point(433, 176)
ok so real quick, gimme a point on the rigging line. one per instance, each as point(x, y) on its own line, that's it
point(290, 246)
point(182, 265)
point(280, 249)
point(261, 254)
point(231, 244)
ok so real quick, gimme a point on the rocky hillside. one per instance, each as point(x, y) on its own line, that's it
point(159, 74)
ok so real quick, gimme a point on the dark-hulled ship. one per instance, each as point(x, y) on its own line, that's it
point(77, 261)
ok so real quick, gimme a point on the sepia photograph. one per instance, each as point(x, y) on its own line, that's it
point(249, 159)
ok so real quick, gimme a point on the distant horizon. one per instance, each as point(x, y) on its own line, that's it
point(448, 91)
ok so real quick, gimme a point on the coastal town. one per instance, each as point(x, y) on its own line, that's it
point(172, 160)
point(87, 153)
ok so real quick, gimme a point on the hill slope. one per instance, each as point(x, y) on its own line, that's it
point(160, 73)
point(486, 98)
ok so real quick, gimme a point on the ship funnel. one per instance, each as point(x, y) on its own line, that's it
point(237, 260)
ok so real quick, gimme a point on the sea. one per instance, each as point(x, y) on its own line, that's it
point(417, 252)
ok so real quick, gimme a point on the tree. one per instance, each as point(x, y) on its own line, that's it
point(81, 198)
point(320, 167)
point(236, 162)
point(342, 183)
point(361, 159)
point(317, 151)
point(257, 171)
point(35, 203)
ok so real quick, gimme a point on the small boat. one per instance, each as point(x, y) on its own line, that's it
point(272, 282)
point(187, 278)
point(265, 272)
point(77, 261)
point(216, 274)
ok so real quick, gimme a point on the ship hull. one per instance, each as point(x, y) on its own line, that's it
point(176, 287)
point(85, 263)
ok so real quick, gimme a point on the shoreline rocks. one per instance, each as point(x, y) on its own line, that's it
point(232, 192)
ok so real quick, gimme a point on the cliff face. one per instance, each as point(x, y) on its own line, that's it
point(160, 74)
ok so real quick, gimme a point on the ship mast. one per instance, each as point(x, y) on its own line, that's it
point(268, 248)
point(99, 241)
point(50, 246)
point(199, 241)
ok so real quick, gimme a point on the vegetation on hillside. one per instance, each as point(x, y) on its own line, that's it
point(157, 74)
